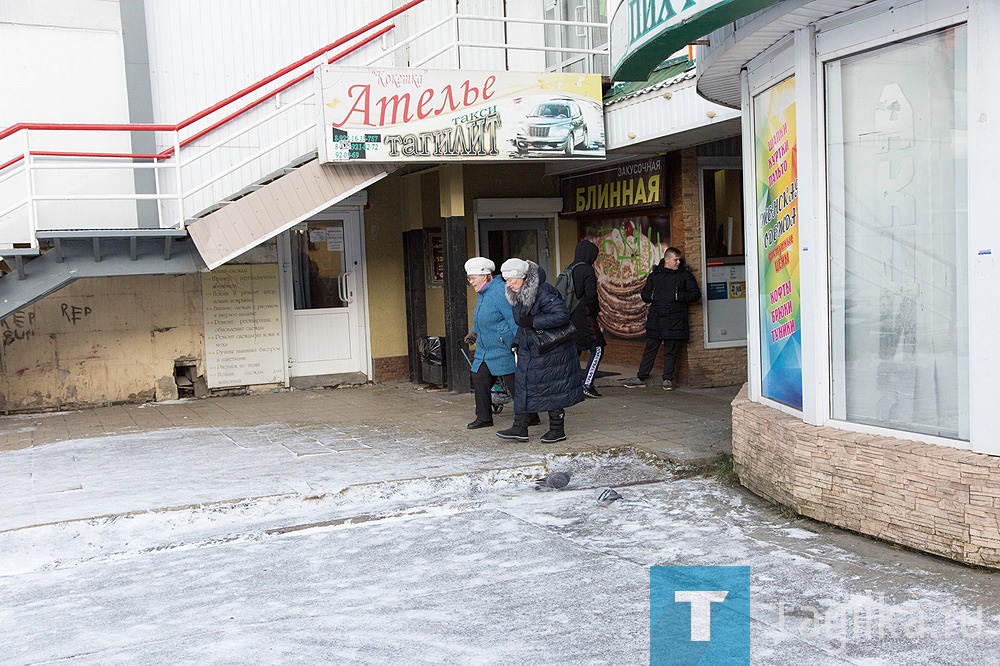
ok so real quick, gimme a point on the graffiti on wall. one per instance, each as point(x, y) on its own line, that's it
point(74, 313)
point(18, 326)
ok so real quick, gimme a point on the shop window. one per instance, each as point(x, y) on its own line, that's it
point(318, 265)
point(725, 263)
point(575, 38)
point(896, 150)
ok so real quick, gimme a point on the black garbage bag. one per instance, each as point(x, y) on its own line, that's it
point(432, 362)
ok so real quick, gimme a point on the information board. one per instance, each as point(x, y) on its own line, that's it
point(242, 314)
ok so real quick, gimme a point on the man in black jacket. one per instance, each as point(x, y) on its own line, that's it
point(668, 290)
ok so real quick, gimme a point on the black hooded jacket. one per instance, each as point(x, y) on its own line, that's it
point(584, 315)
point(668, 293)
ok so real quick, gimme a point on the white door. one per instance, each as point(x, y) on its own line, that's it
point(322, 267)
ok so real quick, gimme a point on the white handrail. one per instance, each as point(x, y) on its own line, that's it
point(188, 161)
point(239, 165)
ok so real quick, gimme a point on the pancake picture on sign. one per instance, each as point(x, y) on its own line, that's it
point(626, 255)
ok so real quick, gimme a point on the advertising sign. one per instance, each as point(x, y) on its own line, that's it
point(644, 32)
point(776, 156)
point(629, 248)
point(623, 186)
point(413, 115)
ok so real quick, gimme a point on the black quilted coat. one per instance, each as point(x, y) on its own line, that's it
point(668, 293)
point(543, 382)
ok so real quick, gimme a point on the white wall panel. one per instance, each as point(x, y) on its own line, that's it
point(202, 52)
point(64, 64)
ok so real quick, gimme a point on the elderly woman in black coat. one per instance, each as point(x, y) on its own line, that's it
point(544, 382)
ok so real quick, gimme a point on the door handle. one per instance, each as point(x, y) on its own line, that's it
point(348, 294)
point(340, 288)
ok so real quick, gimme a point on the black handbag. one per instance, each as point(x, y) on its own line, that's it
point(548, 339)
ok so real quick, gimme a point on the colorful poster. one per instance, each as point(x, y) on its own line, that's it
point(412, 115)
point(777, 173)
point(629, 248)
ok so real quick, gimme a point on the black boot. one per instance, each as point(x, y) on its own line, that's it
point(556, 433)
point(533, 419)
point(518, 431)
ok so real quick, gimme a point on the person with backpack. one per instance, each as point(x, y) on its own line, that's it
point(669, 288)
point(577, 284)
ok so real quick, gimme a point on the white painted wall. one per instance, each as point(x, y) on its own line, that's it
point(63, 63)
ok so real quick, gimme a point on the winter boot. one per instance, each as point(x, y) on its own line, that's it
point(556, 433)
point(518, 431)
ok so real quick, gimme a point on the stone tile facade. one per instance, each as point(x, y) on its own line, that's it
point(936, 499)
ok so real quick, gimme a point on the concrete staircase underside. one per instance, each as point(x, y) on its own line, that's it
point(82, 258)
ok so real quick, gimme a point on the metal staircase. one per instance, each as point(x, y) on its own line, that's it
point(224, 180)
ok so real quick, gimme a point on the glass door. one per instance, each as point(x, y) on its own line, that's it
point(323, 273)
point(527, 239)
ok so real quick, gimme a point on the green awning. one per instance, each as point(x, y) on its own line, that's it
point(644, 32)
point(667, 73)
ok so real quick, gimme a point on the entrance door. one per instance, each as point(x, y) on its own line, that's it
point(322, 270)
point(500, 240)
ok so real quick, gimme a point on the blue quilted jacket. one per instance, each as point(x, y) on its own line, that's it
point(493, 322)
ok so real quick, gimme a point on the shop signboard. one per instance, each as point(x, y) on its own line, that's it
point(421, 115)
point(624, 205)
point(616, 187)
point(776, 189)
point(644, 33)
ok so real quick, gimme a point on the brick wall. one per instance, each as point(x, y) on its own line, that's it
point(390, 368)
point(936, 499)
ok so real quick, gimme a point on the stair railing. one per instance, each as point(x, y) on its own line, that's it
point(179, 190)
point(218, 158)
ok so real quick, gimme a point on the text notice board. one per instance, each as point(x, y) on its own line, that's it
point(242, 325)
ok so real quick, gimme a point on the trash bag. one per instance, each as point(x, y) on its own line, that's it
point(432, 363)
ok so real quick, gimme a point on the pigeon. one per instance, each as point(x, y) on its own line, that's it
point(554, 481)
point(605, 496)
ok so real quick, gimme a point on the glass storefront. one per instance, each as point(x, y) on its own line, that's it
point(897, 210)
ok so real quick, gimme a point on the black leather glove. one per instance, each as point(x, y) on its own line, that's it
point(526, 320)
point(471, 338)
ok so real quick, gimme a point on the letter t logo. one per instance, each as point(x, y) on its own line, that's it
point(701, 610)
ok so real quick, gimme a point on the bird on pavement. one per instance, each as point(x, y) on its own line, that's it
point(554, 481)
point(605, 496)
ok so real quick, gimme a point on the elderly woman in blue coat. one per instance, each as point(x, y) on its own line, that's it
point(493, 330)
point(544, 382)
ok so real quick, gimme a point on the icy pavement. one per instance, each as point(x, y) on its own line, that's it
point(186, 548)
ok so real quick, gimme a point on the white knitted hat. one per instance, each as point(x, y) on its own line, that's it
point(514, 268)
point(479, 266)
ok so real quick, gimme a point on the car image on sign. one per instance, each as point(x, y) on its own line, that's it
point(555, 124)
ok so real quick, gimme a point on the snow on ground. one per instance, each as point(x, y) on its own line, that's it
point(474, 567)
